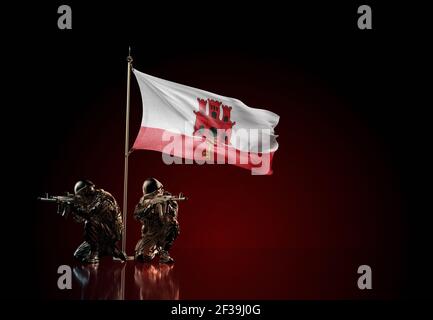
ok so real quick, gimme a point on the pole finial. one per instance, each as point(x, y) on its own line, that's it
point(129, 57)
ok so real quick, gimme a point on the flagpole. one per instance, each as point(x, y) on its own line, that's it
point(125, 173)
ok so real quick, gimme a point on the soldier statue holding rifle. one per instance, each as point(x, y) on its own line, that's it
point(157, 211)
point(102, 219)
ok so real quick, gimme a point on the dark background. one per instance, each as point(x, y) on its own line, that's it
point(346, 188)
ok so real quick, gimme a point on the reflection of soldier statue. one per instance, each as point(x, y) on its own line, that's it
point(102, 222)
point(100, 282)
point(156, 282)
point(157, 211)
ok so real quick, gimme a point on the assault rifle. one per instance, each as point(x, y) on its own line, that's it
point(61, 201)
point(167, 197)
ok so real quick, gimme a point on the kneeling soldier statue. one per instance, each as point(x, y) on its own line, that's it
point(157, 211)
point(102, 219)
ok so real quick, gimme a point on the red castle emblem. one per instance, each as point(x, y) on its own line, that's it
point(220, 127)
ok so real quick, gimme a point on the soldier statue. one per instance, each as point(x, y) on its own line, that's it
point(157, 211)
point(102, 219)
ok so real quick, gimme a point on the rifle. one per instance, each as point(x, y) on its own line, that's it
point(61, 201)
point(166, 197)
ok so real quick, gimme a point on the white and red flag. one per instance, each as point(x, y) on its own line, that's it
point(199, 126)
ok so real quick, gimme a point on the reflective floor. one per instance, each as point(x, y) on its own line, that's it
point(234, 274)
point(108, 281)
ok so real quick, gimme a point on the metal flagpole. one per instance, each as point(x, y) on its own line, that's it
point(125, 173)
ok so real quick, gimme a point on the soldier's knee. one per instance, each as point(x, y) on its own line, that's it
point(173, 233)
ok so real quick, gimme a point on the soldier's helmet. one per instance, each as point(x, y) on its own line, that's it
point(82, 185)
point(151, 185)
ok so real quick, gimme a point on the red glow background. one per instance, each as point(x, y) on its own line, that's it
point(332, 203)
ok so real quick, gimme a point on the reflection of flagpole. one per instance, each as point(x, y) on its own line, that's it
point(122, 282)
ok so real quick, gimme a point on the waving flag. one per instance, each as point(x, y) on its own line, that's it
point(199, 126)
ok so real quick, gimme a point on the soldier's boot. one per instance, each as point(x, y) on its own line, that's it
point(117, 253)
point(143, 258)
point(92, 258)
point(86, 254)
point(143, 253)
point(164, 257)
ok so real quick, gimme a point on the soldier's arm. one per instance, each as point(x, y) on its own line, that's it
point(79, 212)
point(141, 209)
point(173, 205)
point(159, 211)
point(77, 218)
point(172, 209)
point(138, 211)
point(82, 211)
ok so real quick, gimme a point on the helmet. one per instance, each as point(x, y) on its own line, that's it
point(82, 184)
point(151, 185)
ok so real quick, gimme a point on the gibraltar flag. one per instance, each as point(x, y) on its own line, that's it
point(190, 125)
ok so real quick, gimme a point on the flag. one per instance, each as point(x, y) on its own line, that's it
point(190, 125)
